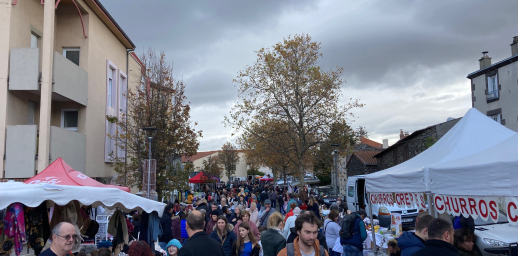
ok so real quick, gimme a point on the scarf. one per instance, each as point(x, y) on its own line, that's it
point(14, 223)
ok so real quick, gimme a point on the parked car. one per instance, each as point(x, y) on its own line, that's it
point(324, 195)
point(494, 238)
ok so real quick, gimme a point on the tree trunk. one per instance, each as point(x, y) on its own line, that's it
point(302, 173)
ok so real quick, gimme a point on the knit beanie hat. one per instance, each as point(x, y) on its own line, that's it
point(175, 243)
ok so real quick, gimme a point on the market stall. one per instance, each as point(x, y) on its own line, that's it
point(32, 210)
point(479, 185)
point(33, 195)
point(406, 184)
point(203, 178)
point(473, 133)
point(59, 172)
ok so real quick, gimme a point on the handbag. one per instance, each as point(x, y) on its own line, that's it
point(7, 245)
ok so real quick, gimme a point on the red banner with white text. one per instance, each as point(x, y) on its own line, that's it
point(484, 207)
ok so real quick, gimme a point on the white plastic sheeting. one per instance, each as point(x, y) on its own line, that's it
point(473, 133)
point(33, 195)
point(491, 172)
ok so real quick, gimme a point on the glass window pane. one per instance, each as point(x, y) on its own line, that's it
point(73, 55)
point(110, 92)
point(70, 118)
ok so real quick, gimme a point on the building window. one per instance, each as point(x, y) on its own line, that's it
point(69, 119)
point(30, 112)
point(110, 87)
point(492, 87)
point(497, 118)
point(72, 54)
point(34, 41)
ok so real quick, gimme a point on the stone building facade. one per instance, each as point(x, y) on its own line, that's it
point(412, 145)
point(362, 162)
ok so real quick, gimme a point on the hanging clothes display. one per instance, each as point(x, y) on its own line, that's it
point(154, 229)
point(70, 213)
point(118, 229)
point(37, 227)
point(144, 221)
point(14, 225)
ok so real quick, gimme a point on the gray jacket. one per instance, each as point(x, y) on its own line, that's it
point(262, 218)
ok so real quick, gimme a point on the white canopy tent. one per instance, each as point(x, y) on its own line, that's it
point(475, 132)
point(491, 172)
point(33, 195)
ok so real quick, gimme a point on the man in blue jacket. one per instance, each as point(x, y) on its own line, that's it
point(354, 245)
point(410, 242)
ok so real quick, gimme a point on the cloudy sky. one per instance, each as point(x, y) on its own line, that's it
point(407, 60)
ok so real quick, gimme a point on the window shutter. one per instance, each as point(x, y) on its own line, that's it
point(123, 90)
point(111, 97)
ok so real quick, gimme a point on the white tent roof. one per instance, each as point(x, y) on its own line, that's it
point(473, 133)
point(33, 195)
point(491, 172)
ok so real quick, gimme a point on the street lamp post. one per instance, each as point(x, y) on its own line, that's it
point(335, 153)
point(150, 135)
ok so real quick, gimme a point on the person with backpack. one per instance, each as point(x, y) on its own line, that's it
point(352, 233)
point(306, 243)
point(293, 234)
point(332, 231)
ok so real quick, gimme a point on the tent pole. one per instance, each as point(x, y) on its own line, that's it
point(374, 247)
point(430, 203)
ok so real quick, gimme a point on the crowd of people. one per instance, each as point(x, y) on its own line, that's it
point(252, 220)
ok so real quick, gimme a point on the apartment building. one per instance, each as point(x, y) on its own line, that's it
point(494, 88)
point(64, 66)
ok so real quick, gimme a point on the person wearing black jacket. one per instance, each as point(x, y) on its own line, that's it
point(440, 239)
point(166, 223)
point(199, 242)
point(202, 204)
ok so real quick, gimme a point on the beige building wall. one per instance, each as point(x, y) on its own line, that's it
point(18, 21)
point(241, 167)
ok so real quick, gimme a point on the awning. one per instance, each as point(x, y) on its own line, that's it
point(60, 173)
point(202, 178)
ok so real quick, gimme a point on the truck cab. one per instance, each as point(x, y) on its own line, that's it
point(357, 199)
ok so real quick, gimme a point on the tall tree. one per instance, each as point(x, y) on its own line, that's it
point(343, 138)
point(211, 167)
point(228, 157)
point(286, 83)
point(159, 102)
point(267, 145)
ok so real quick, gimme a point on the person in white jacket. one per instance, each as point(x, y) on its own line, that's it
point(290, 222)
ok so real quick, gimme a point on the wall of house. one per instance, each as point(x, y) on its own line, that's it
point(508, 81)
point(102, 46)
point(355, 167)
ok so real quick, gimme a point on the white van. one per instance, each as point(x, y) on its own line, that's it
point(357, 199)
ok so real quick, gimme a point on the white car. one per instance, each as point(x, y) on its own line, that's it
point(494, 237)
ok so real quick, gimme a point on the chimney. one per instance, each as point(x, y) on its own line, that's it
point(514, 46)
point(385, 143)
point(485, 61)
point(401, 135)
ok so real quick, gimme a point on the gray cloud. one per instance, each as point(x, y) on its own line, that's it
point(407, 60)
point(210, 87)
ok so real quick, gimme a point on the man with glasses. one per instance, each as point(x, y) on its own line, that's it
point(64, 237)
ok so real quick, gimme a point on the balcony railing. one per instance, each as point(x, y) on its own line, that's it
point(22, 149)
point(69, 81)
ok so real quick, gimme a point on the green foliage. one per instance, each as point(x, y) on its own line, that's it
point(429, 141)
point(287, 86)
point(157, 101)
point(228, 157)
point(254, 172)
